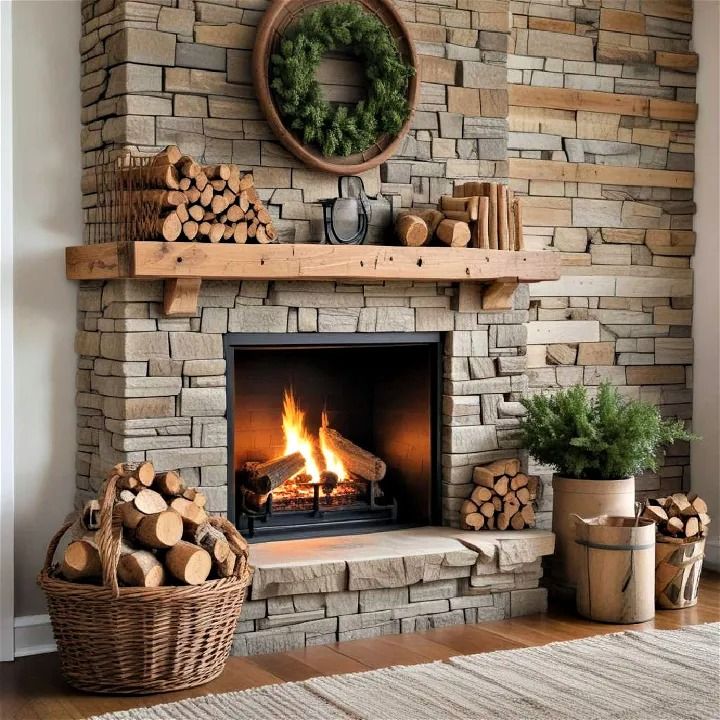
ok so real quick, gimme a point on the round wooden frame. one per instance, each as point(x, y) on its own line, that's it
point(278, 17)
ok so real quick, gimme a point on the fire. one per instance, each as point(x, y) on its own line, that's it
point(297, 439)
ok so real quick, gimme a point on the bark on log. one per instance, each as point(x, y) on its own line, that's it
point(212, 540)
point(169, 483)
point(356, 460)
point(263, 478)
point(140, 568)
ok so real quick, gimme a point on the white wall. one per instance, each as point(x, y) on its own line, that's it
point(47, 217)
point(706, 320)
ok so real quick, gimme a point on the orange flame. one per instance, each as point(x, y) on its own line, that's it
point(297, 439)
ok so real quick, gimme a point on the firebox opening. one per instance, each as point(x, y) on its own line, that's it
point(372, 400)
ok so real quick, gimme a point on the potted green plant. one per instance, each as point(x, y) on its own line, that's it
point(596, 446)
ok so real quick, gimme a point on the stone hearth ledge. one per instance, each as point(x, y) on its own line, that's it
point(325, 590)
point(394, 559)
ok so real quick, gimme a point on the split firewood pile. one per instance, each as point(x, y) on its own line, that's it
point(214, 203)
point(502, 499)
point(482, 215)
point(167, 536)
point(258, 480)
point(678, 517)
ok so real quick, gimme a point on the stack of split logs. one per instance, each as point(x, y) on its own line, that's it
point(213, 203)
point(679, 517)
point(258, 480)
point(502, 498)
point(482, 215)
point(167, 537)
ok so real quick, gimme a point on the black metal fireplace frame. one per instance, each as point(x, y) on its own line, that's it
point(431, 340)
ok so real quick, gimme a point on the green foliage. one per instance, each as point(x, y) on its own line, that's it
point(604, 438)
point(339, 130)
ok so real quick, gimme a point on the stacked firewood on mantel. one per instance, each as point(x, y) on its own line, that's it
point(483, 215)
point(167, 536)
point(213, 203)
point(679, 518)
point(502, 498)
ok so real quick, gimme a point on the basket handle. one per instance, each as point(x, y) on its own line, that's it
point(109, 536)
point(53, 545)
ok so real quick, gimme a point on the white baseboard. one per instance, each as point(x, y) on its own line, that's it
point(33, 635)
point(712, 553)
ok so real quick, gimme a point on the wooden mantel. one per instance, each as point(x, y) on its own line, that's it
point(187, 264)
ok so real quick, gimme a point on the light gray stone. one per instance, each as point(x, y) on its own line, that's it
point(469, 439)
point(197, 368)
point(164, 460)
point(202, 401)
point(293, 618)
point(263, 318)
point(395, 319)
point(134, 346)
point(195, 346)
point(437, 590)
point(342, 603)
point(253, 610)
point(338, 320)
point(307, 319)
point(214, 320)
point(136, 387)
point(382, 599)
point(481, 368)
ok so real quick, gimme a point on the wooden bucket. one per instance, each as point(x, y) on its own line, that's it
point(677, 572)
point(586, 498)
point(616, 571)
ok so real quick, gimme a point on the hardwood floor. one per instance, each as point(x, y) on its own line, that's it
point(32, 689)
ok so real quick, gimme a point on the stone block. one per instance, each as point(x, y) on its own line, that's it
point(292, 618)
point(202, 401)
point(338, 320)
point(326, 577)
point(382, 599)
point(231, 35)
point(262, 318)
point(563, 331)
point(253, 610)
point(198, 368)
point(130, 77)
point(178, 21)
point(195, 346)
point(201, 57)
point(134, 408)
point(392, 627)
point(469, 439)
point(164, 460)
point(136, 387)
point(138, 45)
point(342, 603)
point(552, 44)
point(425, 607)
point(596, 213)
point(482, 75)
point(395, 319)
point(570, 239)
point(311, 601)
point(87, 343)
point(134, 346)
point(481, 368)
point(434, 319)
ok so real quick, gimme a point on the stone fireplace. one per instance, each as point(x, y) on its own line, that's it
point(415, 371)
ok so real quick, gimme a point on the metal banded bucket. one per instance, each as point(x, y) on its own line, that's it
point(616, 573)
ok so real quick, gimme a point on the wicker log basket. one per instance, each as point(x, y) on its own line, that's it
point(132, 640)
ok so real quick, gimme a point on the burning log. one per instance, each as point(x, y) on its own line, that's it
point(263, 478)
point(356, 460)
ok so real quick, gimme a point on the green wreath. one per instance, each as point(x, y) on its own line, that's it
point(340, 130)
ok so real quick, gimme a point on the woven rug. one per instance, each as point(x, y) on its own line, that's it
point(658, 675)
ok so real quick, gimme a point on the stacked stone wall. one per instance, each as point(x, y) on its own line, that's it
point(601, 144)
